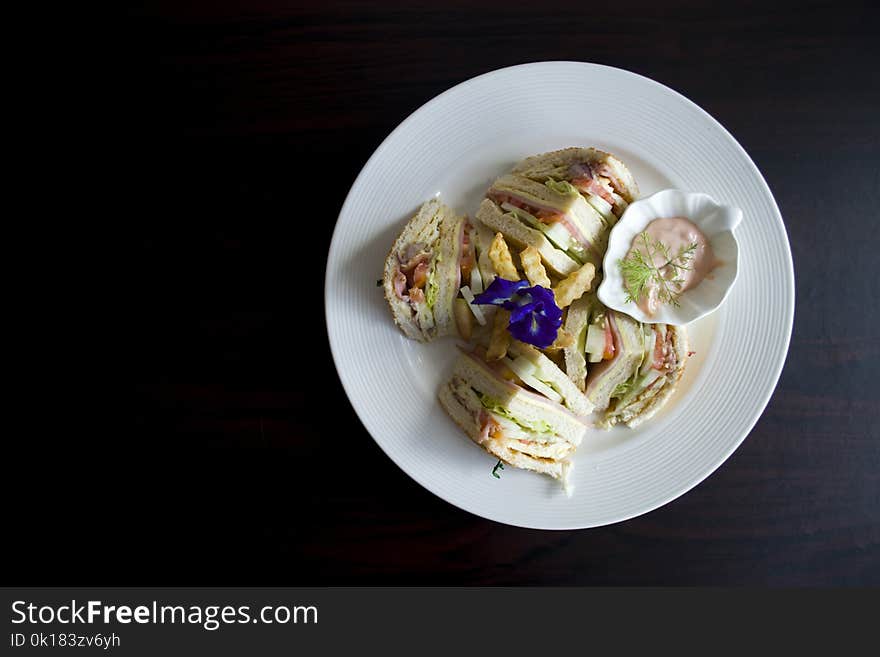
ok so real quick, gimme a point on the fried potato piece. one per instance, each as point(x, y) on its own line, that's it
point(534, 268)
point(499, 341)
point(464, 319)
point(574, 285)
point(563, 339)
point(502, 262)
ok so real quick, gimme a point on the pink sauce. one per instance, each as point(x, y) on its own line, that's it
point(688, 266)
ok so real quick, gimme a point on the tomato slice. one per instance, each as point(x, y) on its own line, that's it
point(420, 275)
point(658, 351)
point(547, 217)
point(608, 354)
point(468, 257)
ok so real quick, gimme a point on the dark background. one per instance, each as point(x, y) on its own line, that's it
point(248, 128)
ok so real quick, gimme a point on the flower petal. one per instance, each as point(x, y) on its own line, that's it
point(534, 316)
point(500, 292)
point(535, 330)
point(542, 294)
point(518, 312)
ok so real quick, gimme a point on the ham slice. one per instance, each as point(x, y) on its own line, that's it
point(412, 275)
point(527, 205)
point(605, 170)
point(420, 275)
point(584, 177)
point(399, 282)
point(414, 262)
point(489, 428)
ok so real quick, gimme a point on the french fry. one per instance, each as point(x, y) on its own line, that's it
point(563, 339)
point(574, 285)
point(464, 319)
point(500, 338)
point(534, 269)
point(502, 262)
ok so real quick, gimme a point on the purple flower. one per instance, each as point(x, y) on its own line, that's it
point(500, 292)
point(534, 316)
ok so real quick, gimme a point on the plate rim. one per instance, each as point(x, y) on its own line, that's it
point(789, 281)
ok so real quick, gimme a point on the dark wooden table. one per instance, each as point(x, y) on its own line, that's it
point(250, 126)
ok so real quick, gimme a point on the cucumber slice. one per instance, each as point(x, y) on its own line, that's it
point(521, 214)
point(595, 341)
point(476, 310)
point(602, 206)
point(543, 388)
point(476, 280)
point(558, 234)
point(527, 372)
point(638, 387)
point(522, 366)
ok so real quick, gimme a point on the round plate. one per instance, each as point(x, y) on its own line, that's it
point(454, 146)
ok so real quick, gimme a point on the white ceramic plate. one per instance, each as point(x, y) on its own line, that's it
point(454, 146)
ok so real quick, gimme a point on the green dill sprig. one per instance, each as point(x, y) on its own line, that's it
point(639, 271)
point(498, 466)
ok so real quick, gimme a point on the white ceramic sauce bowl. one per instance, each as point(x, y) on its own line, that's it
point(716, 221)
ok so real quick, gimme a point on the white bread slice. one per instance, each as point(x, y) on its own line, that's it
point(491, 215)
point(448, 271)
point(429, 231)
point(576, 320)
point(556, 164)
point(573, 398)
point(646, 405)
point(532, 189)
point(466, 416)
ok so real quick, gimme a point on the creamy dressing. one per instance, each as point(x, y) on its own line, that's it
point(681, 266)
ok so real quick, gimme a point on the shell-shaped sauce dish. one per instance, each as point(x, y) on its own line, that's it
point(716, 221)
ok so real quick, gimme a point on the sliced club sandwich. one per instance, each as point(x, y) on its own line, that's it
point(528, 367)
point(603, 179)
point(437, 256)
point(551, 216)
point(622, 348)
point(652, 384)
point(517, 426)
point(627, 369)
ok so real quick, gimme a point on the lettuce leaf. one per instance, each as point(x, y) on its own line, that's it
point(432, 288)
point(493, 405)
point(625, 387)
point(562, 187)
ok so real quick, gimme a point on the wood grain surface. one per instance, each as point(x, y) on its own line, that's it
point(247, 465)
